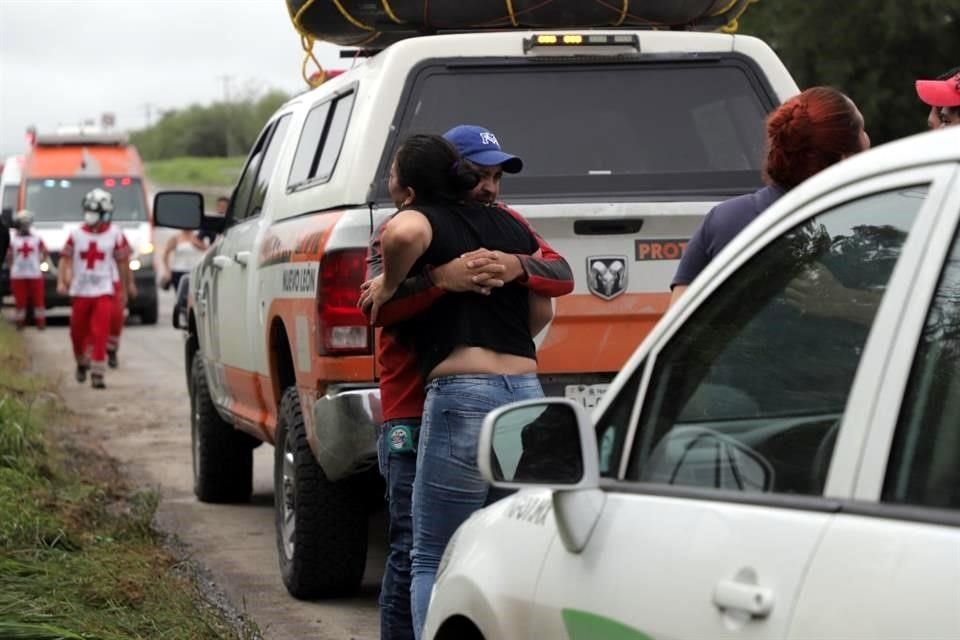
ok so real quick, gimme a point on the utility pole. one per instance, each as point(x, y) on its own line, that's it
point(225, 79)
point(148, 111)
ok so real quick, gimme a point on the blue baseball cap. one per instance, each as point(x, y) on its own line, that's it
point(480, 146)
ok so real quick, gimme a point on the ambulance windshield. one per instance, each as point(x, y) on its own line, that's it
point(61, 199)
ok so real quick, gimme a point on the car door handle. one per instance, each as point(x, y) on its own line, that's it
point(222, 261)
point(242, 257)
point(741, 596)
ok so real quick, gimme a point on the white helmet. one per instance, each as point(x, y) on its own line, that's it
point(99, 202)
point(23, 218)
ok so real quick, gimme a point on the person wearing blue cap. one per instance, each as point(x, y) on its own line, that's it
point(545, 273)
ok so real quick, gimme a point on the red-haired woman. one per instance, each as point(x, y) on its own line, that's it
point(805, 135)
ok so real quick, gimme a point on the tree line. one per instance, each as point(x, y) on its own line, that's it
point(218, 130)
point(872, 50)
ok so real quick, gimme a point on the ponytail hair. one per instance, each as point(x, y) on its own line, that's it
point(810, 132)
point(431, 166)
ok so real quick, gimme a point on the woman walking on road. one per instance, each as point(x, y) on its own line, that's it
point(805, 135)
point(475, 351)
point(180, 254)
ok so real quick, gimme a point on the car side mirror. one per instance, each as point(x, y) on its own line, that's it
point(178, 209)
point(6, 217)
point(547, 442)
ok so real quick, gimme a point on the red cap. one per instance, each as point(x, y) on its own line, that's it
point(940, 93)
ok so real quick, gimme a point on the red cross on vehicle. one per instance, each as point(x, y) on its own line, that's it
point(92, 255)
point(25, 250)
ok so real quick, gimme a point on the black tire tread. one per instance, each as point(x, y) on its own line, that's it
point(225, 465)
point(330, 544)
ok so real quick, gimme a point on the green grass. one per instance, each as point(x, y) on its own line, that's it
point(195, 172)
point(79, 557)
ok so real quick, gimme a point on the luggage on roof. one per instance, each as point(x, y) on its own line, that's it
point(378, 23)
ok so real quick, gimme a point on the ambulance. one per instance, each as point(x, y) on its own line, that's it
point(9, 195)
point(58, 170)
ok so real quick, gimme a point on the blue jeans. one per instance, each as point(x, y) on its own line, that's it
point(397, 469)
point(448, 485)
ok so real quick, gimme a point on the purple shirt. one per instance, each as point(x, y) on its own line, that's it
point(721, 225)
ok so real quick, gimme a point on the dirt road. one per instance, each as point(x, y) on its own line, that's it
point(142, 420)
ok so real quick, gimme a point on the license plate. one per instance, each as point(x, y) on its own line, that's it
point(588, 395)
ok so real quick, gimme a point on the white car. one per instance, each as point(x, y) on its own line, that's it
point(780, 458)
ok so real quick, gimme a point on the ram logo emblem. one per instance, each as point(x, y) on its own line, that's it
point(607, 276)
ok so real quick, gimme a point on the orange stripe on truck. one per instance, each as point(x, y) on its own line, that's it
point(591, 335)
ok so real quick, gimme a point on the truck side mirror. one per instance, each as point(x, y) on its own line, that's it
point(178, 209)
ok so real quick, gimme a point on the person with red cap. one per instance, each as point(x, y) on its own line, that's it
point(943, 97)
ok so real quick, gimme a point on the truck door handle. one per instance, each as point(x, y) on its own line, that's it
point(242, 257)
point(741, 596)
point(607, 227)
point(222, 261)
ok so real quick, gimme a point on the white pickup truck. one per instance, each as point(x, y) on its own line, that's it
point(628, 138)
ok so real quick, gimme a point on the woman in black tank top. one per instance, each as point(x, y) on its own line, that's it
point(475, 351)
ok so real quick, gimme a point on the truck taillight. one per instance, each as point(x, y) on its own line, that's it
point(343, 329)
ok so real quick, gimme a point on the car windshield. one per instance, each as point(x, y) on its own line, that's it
point(61, 199)
point(657, 128)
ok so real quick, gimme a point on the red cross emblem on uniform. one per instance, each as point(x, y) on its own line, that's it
point(25, 250)
point(92, 255)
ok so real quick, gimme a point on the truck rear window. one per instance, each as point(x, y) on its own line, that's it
point(61, 199)
point(616, 130)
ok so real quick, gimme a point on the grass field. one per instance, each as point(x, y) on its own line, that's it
point(79, 558)
point(196, 172)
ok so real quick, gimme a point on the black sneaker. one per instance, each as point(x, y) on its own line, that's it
point(112, 359)
point(96, 380)
point(81, 374)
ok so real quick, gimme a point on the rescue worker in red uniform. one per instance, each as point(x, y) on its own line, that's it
point(119, 315)
point(87, 262)
point(24, 256)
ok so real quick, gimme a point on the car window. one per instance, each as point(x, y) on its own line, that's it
point(267, 165)
point(240, 204)
point(321, 141)
point(749, 394)
point(611, 428)
point(305, 160)
point(924, 464)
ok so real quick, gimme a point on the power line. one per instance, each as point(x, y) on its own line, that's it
point(225, 79)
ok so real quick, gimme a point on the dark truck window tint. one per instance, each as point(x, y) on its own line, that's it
point(651, 128)
point(267, 165)
point(61, 199)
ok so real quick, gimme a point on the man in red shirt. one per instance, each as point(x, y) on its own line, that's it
point(402, 395)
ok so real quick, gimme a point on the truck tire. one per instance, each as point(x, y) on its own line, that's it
point(222, 456)
point(321, 525)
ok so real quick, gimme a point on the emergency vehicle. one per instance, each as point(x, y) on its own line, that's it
point(768, 463)
point(628, 138)
point(59, 169)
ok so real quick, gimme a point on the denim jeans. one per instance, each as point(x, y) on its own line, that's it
point(397, 469)
point(448, 485)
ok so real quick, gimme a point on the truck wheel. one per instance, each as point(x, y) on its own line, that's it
point(321, 525)
point(222, 456)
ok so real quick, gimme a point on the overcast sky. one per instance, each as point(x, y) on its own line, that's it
point(63, 61)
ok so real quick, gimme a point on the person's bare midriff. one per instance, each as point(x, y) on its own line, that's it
point(477, 360)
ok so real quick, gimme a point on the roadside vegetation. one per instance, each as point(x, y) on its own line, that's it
point(79, 558)
point(196, 172)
